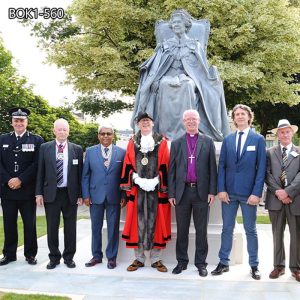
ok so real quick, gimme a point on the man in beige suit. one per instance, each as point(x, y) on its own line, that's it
point(283, 197)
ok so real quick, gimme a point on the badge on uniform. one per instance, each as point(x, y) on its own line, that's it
point(60, 156)
point(75, 161)
point(5, 146)
point(27, 147)
point(294, 153)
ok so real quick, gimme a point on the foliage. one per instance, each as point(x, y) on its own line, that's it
point(255, 45)
point(14, 91)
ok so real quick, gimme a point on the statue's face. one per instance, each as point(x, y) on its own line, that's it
point(177, 25)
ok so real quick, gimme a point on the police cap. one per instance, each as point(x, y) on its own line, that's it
point(19, 112)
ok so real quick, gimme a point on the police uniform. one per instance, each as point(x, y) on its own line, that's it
point(19, 158)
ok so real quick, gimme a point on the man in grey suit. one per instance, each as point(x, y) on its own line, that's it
point(58, 187)
point(101, 192)
point(192, 187)
point(283, 197)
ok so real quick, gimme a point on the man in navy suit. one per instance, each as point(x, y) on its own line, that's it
point(101, 192)
point(241, 174)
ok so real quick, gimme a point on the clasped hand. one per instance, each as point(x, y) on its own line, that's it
point(145, 183)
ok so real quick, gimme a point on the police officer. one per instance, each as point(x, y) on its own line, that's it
point(18, 167)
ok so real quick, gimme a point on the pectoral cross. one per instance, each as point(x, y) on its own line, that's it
point(191, 158)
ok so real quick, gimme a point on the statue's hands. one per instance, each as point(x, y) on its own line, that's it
point(174, 81)
point(154, 86)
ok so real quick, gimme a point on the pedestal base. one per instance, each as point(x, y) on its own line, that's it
point(169, 254)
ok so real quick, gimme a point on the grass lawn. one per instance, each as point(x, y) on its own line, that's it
point(259, 220)
point(40, 228)
point(12, 296)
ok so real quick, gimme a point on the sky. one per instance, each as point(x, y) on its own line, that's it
point(47, 80)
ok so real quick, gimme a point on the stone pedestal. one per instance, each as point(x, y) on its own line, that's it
point(214, 237)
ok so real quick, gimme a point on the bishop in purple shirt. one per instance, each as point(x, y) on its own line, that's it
point(192, 186)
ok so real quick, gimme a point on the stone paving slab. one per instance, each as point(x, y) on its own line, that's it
point(146, 283)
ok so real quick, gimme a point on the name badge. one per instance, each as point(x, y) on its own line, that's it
point(294, 153)
point(60, 156)
point(75, 161)
point(251, 148)
point(27, 147)
point(5, 146)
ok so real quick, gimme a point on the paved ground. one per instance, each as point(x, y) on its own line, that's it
point(146, 283)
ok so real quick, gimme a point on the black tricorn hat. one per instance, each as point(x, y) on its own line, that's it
point(142, 115)
point(19, 112)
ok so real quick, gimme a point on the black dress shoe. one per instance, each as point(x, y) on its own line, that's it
point(31, 260)
point(202, 271)
point(93, 262)
point(179, 268)
point(220, 269)
point(6, 260)
point(70, 263)
point(111, 264)
point(52, 264)
point(255, 274)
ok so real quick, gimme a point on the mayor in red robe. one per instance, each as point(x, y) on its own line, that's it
point(144, 179)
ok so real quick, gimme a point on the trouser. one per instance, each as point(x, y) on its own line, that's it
point(27, 209)
point(154, 254)
point(69, 212)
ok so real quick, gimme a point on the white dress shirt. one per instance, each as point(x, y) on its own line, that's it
point(243, 139)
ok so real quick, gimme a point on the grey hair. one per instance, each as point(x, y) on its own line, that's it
point(106, 126)
point(190, 111)
point(61, 120)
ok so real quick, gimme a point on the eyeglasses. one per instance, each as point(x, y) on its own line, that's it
point(105, 133)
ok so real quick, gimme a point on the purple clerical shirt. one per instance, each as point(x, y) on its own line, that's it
point(191, 149)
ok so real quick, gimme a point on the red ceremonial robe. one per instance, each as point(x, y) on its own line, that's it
point(162, 232)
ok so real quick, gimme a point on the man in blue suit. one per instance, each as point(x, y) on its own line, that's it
point(100, 190)
point(241, 174)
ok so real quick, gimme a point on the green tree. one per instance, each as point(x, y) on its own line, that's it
point(254, 43)
point(14, 91)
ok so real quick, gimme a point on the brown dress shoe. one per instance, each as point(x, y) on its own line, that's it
point(296, 274)
point(93, 262)
point(278, 271)
point(135, 265)
point(159, 266)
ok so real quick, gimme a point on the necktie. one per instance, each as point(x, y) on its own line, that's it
point(238, 149)
point(59, 166)
point(18, 137)
point(106, 163)
point(283, 178)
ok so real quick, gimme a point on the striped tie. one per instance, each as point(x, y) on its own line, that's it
point(59, 167)
point(283, 178)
